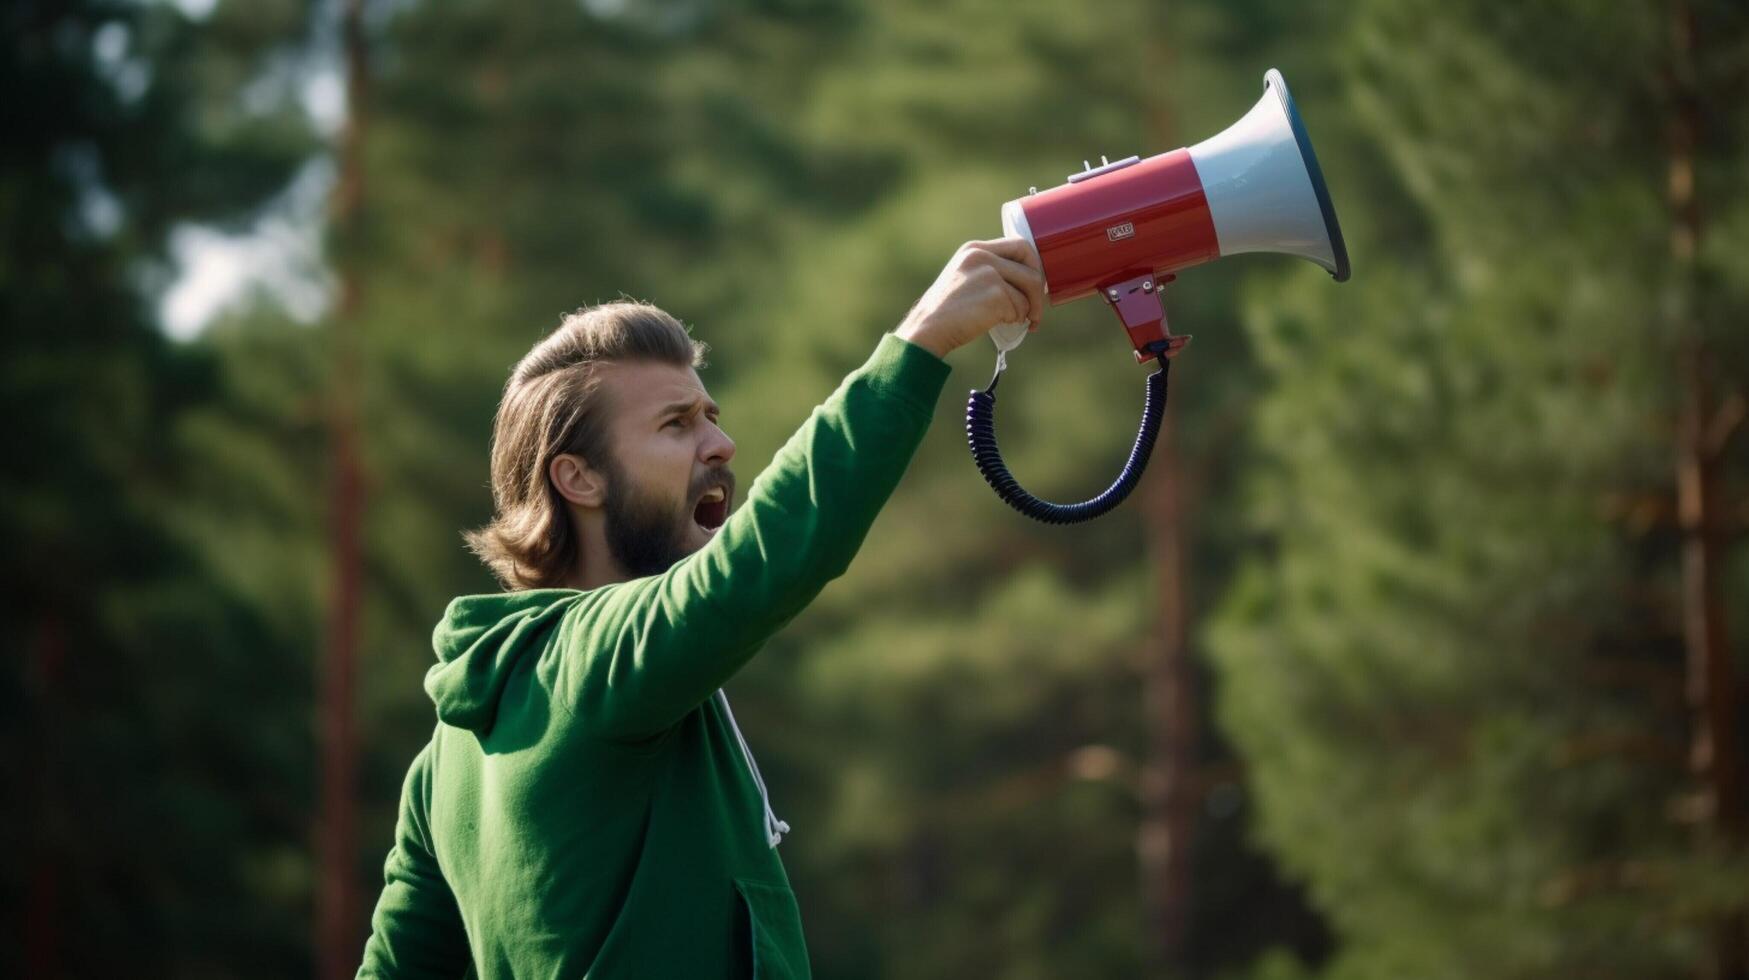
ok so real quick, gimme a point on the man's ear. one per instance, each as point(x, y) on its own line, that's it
point(577, 481)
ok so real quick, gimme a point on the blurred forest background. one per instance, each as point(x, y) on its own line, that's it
point(1420, 653)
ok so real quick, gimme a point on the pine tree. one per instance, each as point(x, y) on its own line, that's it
point(1456, 668)
point(151, 713)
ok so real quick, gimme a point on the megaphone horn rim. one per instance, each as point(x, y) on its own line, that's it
point(1272, 80)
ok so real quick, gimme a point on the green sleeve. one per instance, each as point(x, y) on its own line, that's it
point(416, 930)
point(637, 656)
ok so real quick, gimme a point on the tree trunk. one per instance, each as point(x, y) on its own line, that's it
point(1167, 783)
point(44, 917)
point(1168, 790)
point(338, 939)
point(1713, 751)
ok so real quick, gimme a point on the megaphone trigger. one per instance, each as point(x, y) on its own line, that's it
point(1143, 313)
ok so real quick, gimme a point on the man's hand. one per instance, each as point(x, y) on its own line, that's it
point(984, 284)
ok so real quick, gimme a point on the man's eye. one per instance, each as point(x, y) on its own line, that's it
point(674, 423)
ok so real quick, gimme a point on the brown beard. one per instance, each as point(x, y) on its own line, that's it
point(646, 533)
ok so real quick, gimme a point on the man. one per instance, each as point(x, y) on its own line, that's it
point(586, 806)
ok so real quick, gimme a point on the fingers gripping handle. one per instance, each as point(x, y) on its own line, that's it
point(981, 436)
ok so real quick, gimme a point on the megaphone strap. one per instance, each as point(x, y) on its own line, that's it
point(981, 436)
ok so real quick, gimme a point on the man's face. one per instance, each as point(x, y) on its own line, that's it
point(669, 486)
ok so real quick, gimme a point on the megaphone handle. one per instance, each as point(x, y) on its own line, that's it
point(981, 436)
point(1139, 307)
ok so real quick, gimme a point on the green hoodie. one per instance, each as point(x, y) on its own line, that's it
point(586, 807)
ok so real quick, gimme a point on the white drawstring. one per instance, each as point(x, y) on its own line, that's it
point(774, 828)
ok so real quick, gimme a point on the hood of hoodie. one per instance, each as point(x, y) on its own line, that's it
point(480, 642)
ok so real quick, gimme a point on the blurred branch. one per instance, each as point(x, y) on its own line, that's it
point(1620, 743)
point(1603, 877)
point(1724, 423)
point(1656, 680)
point(1092, 763)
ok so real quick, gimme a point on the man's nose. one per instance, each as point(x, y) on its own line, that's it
point(718, 448)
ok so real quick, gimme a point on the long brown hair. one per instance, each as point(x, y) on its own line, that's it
point(551, 406)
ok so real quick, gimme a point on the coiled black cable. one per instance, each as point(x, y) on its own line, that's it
point(981, 436)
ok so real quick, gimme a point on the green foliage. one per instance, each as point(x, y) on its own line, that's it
point(153, 715)
point(1457, 681)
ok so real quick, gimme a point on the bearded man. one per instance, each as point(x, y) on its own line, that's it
point(586, 806)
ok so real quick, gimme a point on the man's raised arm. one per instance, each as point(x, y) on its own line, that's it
point(635, 657)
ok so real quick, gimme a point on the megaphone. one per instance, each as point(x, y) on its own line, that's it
point(1122, 230)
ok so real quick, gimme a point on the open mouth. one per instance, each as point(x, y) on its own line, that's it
point(712, 509)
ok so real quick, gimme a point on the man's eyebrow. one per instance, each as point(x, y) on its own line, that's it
point(685, 407)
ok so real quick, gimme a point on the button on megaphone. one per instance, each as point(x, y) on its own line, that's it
point(1122, 229)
